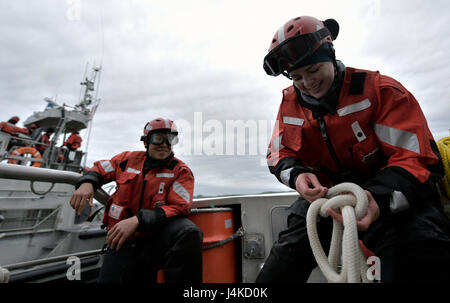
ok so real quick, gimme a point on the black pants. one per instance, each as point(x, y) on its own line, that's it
point(176, 247)
point(291, 259)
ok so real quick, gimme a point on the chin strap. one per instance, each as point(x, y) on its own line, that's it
point(286, 74)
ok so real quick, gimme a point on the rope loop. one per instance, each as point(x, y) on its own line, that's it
point(351, 201)
point(40, 193)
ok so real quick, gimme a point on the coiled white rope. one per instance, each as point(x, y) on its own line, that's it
point(4, 275)
point(354, 267)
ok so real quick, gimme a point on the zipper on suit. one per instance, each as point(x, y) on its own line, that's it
point(323, 131)
point(141, 200)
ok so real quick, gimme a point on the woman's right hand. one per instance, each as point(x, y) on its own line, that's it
point(84, 193)
point(309, 187)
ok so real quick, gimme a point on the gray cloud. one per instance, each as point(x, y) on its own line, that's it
point(177, 58)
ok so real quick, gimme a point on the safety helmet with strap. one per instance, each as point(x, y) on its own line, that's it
point(296, 40)
point(14, 118)
point(160, 125)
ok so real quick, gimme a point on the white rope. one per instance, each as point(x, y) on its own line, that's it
point(354, 267)
point(4, 275)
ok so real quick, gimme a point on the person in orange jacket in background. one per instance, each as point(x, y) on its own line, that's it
point(146, 216)
point(74, 141)
point(11, 128)
point(340, 124)
point(45, 139)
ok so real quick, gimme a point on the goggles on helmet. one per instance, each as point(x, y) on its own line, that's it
point(292, 51)
point(159, 138)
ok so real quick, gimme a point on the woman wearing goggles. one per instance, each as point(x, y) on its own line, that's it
point(341, 124)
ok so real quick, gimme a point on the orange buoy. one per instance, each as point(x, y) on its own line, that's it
point(27, 150)
point(219, 260)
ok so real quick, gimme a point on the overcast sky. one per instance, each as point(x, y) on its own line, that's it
point(203, 59)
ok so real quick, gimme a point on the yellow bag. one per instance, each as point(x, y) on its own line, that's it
point(444, 149)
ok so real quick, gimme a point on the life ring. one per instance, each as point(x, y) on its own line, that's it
point(27, 150)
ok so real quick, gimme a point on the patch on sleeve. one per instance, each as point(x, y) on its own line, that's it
point(115, 211)
point(181, 191)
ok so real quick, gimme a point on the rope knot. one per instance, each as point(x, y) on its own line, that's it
point(353, 207)
point(345, 194)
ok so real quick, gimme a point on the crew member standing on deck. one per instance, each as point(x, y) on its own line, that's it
point(146, 216)
point(11, 128)
point(45, 140)
point(74, 141)
point(340, 124)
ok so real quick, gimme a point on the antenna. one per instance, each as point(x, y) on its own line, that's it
point(97, 70)
point(84, 77)
point(103, 38)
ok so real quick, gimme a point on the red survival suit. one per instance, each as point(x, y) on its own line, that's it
point(376, 136)
point(73, 142)
point(167, 189)
point(12, 129)
point(45, 140)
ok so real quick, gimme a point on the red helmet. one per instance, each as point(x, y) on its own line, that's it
point(159, 124)
point(296, 40)
point(14, 118)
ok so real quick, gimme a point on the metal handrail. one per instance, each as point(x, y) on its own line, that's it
point(29, 173)
point(28, 159)
point(27, 232)
point(52, 259)
point(20, 172)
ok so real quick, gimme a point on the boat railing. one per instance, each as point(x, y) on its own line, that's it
point(51, 259)
point(36, 174)
point(51, 267)
point(24, 159)
point(12, 142)
point(28, 173)
point(54, 157)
